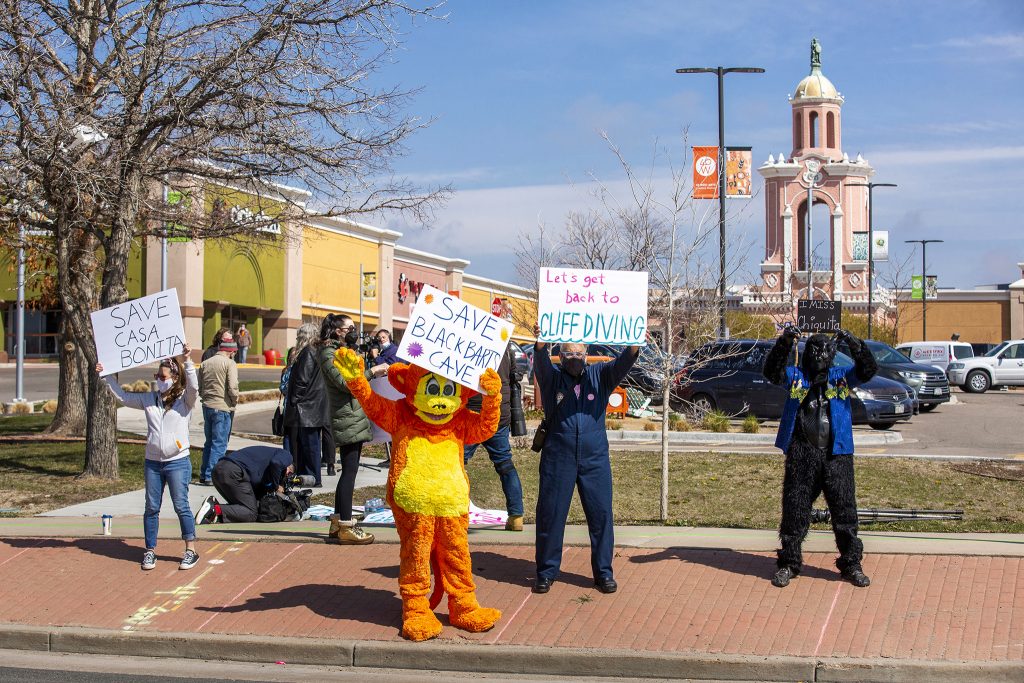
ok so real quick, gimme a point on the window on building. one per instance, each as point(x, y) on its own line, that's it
point(830, 130)
point(812, 128)
point(798, 131)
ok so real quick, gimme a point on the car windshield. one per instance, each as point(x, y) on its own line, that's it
point(884, 353)
point(997, 350)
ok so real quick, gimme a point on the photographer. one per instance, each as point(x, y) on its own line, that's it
point(386, 352)
point(349, 425)
point(242, 478)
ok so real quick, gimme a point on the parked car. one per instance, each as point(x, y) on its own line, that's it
point(981, 348)
point(928, 382)
point(937, 354)
point(528, 350)
point(729, 376)
point(522, 362)
point(1002, 366)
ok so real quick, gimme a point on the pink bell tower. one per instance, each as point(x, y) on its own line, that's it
point(816, 167)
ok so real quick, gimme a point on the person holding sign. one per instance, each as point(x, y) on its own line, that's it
point(575, 455)
point(168, 465)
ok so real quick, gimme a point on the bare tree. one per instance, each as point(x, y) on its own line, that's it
point(104, 104)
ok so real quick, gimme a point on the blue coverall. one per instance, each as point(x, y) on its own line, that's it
point(576, 454)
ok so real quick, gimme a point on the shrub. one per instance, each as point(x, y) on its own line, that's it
point(139, 386)
point(19, 408)
point(50, 407)
point(614, 424)
point(678, 423)
point(751, 425)
point(716, 421)
point(650, 426)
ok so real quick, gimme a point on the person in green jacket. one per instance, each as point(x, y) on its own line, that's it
point(349, 424)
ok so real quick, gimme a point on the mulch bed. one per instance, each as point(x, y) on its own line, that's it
point(1012, 471)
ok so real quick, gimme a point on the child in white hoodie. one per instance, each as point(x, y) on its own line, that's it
point(168, 410)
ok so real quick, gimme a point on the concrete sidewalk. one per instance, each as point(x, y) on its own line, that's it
point(685, 609)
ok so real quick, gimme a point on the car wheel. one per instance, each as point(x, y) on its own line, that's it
point(703, 404)
point(977, 382)
point(928, 407)
point(880, 425)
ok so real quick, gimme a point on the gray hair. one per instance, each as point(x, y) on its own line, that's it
point(306, 335)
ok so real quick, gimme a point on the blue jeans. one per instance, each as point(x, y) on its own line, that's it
point(175, 474)
point(243, 351)
point(501, 457)
point(217, 428)
point(307, 453)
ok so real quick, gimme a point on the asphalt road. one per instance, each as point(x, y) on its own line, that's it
point(42, 667)
point(41, 379)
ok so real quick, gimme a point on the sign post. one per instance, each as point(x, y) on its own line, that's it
point(817, 315)
point(449, 337)
point(592, 306)
point(138, 332)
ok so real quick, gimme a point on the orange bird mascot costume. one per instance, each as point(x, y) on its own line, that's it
point(428, 489)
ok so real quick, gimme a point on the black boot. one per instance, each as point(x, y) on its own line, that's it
point(782, 577)
point(855, 575)
point(330, 469)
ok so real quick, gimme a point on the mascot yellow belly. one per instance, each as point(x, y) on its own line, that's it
point(428, 490)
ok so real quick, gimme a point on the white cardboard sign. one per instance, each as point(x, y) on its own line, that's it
point(449, 337)
point(138, 332)
point(592, 306)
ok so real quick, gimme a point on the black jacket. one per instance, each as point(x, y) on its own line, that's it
point(306, 404)
point(507, 373)
point(265, 466)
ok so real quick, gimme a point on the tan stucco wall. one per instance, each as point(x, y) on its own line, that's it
point(974, 321)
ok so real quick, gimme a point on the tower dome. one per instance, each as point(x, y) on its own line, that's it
point(816, 85)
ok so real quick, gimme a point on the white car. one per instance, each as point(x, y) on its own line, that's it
point(1003, 365)
point(937, 354)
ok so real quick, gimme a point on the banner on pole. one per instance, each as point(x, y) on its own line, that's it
point(592, 306)
point(916, 287)
point(453, 339)
point(138, 332)
point(705, 173)
point(931, 287)
point(738, 162)
point(819, 315)
point(859, 250)
point(369, 285)
point(880, 249)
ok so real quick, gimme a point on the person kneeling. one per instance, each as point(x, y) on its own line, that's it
point(242, 478)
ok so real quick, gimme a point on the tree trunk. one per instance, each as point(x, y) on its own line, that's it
point(70, 418)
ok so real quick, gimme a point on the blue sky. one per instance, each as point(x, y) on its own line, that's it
point(519, 91)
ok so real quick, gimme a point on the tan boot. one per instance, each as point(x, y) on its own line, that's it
point(345, 532)
point(514, 523)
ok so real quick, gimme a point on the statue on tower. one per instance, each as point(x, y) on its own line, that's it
point(815, 54)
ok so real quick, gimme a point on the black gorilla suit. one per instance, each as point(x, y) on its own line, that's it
point(816, 435)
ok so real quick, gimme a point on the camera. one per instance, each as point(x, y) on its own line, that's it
point(290, 481)
point(518, 417)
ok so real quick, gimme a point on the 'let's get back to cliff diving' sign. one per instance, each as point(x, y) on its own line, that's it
point(592, 306)
point(138, 332)
point(447, 336)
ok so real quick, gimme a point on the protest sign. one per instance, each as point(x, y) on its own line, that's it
point(819, 315)
point(592, 306)
point(138, 332)
point(447, 336)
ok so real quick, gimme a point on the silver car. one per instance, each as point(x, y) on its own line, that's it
point(1002, 366)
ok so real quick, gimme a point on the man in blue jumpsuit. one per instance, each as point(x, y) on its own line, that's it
point(575, 454)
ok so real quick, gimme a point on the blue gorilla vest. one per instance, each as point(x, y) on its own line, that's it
point(841, 380)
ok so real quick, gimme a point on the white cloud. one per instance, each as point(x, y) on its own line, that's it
point(982, 48)
point(963, 155)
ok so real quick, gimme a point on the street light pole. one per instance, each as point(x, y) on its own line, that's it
point(871, 243)
point(924, 285)
point(721, 72)
point(19, 376)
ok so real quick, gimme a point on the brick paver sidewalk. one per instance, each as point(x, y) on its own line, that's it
point(949, 607)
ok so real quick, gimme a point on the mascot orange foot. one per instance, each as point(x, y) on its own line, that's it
point(428, 489)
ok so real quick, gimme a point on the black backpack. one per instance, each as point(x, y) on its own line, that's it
point(275, 507)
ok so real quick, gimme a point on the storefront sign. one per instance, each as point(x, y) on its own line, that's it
point(138, 332)
point(409, 288)
point(449, 337)
point(819, 315)
point(593, 306)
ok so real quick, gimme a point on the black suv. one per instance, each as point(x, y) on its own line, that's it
point(729, 376)
point(929, 383)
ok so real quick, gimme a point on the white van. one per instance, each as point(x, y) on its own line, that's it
point(938, 354)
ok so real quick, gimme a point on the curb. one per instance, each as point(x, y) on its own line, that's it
point(678, 438)
point(499, 659)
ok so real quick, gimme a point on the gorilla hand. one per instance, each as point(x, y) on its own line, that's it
point(791, 333)
point(490, 382)
point(349, 364)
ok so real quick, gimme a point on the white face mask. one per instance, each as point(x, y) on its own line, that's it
point(164, 385)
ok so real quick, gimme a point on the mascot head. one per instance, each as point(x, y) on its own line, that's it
point(434, 398)
point(819, 353)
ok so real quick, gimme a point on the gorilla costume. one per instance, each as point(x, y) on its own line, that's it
point(816, 434)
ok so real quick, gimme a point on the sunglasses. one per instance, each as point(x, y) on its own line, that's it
point(574, 354)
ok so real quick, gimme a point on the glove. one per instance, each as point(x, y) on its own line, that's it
point(349, 364)
point(851, 341)
point(490, 382)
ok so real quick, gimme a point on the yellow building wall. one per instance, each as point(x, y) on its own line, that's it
point(330, 274)
point(974, 321)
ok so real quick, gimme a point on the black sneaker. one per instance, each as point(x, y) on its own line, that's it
point(856, 576)
point(149, 560)
point(207, 513)
point(190, 560)
point(782, 577)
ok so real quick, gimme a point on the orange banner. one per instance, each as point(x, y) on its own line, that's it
point(705, 173)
